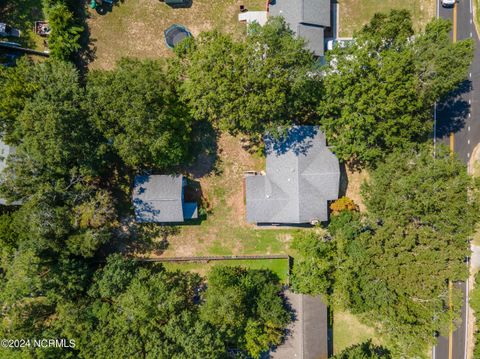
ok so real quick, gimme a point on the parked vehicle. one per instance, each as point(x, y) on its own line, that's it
point(338, 42)
point(8, 31)
point(448, 3)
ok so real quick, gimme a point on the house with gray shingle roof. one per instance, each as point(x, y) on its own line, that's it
point(302, 175)
point(306, 18)
point(160, 199)
point(307, 336)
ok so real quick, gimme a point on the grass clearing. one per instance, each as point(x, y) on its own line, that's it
point(225, 230)
point(348, 331)
point(356, 13)
point(134, 28)
point(278, 266)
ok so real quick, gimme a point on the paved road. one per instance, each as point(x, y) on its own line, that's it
point(460, 113)
point(441, 351)
point(458, 125)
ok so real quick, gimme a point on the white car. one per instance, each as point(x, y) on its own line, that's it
point(341, 43)
point(448, 3)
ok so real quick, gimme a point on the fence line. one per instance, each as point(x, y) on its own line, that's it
point(214, 258)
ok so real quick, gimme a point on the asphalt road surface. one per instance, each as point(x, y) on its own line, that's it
point(458, 126)
point(460, 113)
point(458, 340)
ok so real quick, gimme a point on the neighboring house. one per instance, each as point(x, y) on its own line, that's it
point(302, 175)
point(307, 18)
point(5, 151)
point(307, 336)
point(160, 199)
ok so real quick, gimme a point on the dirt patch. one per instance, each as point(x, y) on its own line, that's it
point(355, 180)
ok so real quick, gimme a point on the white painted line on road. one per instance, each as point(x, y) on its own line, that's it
point(470, 21)
point(469, 102)
point(468, 154)
point(468, 142)
point(470, 74)
point(471, 35)
point(469, 115)
point(469, 128)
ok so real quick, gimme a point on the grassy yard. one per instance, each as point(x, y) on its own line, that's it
point(225, 231)
point(356, 13)
point(348, 330)
point(135, 28)
point(278, 266)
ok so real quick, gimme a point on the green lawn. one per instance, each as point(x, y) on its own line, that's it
point(356, 13)
point(348, 330)
point(278, 266)
point(224, 230)
point(135, 28)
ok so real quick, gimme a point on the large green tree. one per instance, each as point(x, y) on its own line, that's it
point(140, 311)
point(421, 213)
point(380, 89)
point(425, 210)
point(250, 86)
point(246, 308)
point(64, 39)
point(138, 110)
point(314, 263)
point(364, 351)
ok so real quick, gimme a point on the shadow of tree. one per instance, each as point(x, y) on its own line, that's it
point(87, 52)
point(453, 110)
point(204, 151)
point(146, 238)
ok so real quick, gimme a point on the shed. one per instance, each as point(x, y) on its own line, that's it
point(160, 199)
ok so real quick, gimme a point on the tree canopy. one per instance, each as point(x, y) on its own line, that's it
point(261, 83)
point(64, 39)
point(421, 214)
point(381, 88)
point(138, 110)
point(364, 351)
point(245, 306)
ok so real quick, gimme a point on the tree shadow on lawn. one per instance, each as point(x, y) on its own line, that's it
point(453, 110)
point(204, 151)
point(87, 52)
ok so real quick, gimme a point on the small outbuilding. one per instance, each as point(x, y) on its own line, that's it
point(160, 199)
